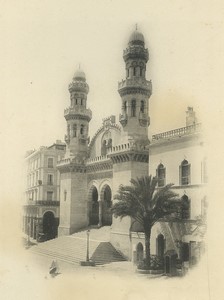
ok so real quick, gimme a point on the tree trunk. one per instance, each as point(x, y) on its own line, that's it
point(147, 247)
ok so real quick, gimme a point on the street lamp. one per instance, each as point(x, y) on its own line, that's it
point(87, 250)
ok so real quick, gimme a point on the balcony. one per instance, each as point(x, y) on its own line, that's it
point(135, 82)
point(177, 132)
point(136, 52)
point(43, 203)
point(78, 111)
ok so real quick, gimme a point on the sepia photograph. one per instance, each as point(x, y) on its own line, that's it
point(112, 145)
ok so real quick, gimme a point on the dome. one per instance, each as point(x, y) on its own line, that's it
point(136, 36)
point(79, 75)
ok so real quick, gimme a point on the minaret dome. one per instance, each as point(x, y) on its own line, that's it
point(136, 38)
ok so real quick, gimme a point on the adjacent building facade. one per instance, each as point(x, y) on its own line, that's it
point(91, 170)
point(41, 209)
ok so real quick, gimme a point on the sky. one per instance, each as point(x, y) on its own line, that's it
point(43, 42)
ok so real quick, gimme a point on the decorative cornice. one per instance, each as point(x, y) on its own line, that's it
point(126, 156)
point(99, 166)
point(100, 175)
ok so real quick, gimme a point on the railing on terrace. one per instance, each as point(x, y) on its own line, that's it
point(96, 159)
point(177, 132)
point(128, 146)
point(44, 202)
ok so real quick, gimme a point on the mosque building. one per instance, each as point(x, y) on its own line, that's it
point(91, 170)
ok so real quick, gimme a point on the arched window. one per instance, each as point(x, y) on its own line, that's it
point(125, 106)
point(139, 253)
point(160, 245)
point(133, 108)
point(76, 101)
point(74, 127)
point(81, 101)
point(82, 129)
point(142, 108)
point(185, 207)
point(134, 71)
point(185, 170)
point(127, 72)
point(161, 175)
point(140, 71)
point(68, 129)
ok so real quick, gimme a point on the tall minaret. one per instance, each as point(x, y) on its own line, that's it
point(73, 178)
point(135, 90)
point(131, 158)
point(77, 117)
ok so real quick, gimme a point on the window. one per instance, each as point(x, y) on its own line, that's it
point(82, 129)
point(133, 108)
point(185, 207)
point(50, 162)
point(142, 106)
point(140, 71)
point(76, 101)
point(134, 71)
point(161, 175)
point(81, 101)
point(49, 179)
point(49, 196)
point(185, 172)
point(65, 195)
point(125, 107)
point(74, 127)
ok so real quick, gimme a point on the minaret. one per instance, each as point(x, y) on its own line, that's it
point(77, 117)
point(135, 90)
point(73, 178)
point(131, 158)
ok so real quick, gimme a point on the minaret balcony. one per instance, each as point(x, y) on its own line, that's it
point(136, 82)
point(78, 112)
point(78, 86)
point(136, 52)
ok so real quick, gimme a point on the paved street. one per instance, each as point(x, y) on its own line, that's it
point(25, 276)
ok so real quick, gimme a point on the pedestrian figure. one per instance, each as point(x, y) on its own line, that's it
point(53, 271)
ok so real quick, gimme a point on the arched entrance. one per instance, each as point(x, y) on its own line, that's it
point(106, 196)
point(49, 225)
point(160, 245)
point(94, 207)
point(139, 252)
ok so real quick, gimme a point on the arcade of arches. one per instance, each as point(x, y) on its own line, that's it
point(35, 225)
point(100, 206)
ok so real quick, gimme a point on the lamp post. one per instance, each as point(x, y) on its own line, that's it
point(87, 250)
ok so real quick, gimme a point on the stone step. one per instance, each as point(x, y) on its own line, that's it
point(73, 248)
point(106, 253)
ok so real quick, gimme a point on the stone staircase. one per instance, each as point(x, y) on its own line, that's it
point(72, 249)
point(106, 253)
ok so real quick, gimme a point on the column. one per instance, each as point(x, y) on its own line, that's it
point(100, 212)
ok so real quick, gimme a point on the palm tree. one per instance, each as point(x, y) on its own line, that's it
point(146, 204)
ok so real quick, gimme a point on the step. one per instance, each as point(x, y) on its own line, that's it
point(73, 248)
